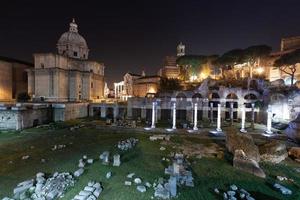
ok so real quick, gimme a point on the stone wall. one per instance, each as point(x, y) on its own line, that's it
point(20, 117)
point(68, 111)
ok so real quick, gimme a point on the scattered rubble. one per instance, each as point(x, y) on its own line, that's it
point(160, 137)
point(104, 157)
point(25, 157)
point(282, 189)
point(43, 187)
point(58, 147)
point(234, 193)
point(127, 144)
point(117, 160)
point(90, 192)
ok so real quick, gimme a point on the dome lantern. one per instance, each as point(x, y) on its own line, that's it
point(72, 44)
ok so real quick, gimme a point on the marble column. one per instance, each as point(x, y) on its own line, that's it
point(219, 119)
point(153, 115)
point(243, 110)
point(252, 115)
point(174, 116)
point(195, 117)
point(231, 113)
point(211, 112)
point(269, 120)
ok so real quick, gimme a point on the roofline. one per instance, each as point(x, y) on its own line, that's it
point(8, 59)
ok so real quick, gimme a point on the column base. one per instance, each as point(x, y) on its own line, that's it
point(217, 132)
point(170, 129)
point(242, 130)
point(269, 132)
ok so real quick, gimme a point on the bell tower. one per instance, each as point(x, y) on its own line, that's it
point(180, 49)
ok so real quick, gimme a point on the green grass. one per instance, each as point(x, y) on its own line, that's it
point(144, 160)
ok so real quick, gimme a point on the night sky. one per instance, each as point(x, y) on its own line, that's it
point(136, 35)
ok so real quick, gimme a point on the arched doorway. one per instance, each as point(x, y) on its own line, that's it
point(231, 99)
point(214, 100)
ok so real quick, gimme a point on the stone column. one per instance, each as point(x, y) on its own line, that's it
point(91, 110)
point(143, 112)
point(219, 119)
point(269, 120)
point(195, 117)
point(243, 110)
point(103, 111)
point(252, 115)
point(153, 115)
point(158, 113)
point(174, 116)
point(231, 113)
point(205, 109)
point(116, 111)
point(211, 112)
point(129, 108)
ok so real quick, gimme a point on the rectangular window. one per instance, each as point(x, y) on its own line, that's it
point(92, 85)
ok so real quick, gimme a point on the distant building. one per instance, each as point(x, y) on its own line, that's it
point(287, 45)
point(146, 86)
point(13, 78)
point(170, 68)
point(124, 89)
point(68, 75)
point(290, 43)
point(180, 49)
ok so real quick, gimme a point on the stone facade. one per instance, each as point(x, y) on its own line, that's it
point(68, 75)
point(13, 78)
point(20, 116)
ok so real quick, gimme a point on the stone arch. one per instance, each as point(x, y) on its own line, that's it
point(231, 96)
point(231, 100)
point(196, 97)
point(250, 96)
point(214, 95)
point(214, 100)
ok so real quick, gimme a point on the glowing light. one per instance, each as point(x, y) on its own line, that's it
point(152, 90)
point(193, 78)
point(203, 75)
point(260, 70)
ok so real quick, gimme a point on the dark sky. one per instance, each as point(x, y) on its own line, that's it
point(132, 35)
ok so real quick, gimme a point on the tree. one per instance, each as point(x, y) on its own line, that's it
point(253, 53)
point(230, 58)
point(168, 85)
point(287, 63)
point(23, 97)
point(191, 65)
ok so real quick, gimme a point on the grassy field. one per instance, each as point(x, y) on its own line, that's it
point(145, 160)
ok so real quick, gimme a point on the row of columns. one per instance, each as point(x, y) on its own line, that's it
point(218, 129)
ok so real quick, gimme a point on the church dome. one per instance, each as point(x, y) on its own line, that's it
point(72, 44)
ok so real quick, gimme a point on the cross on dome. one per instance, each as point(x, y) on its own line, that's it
point(73, 26)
